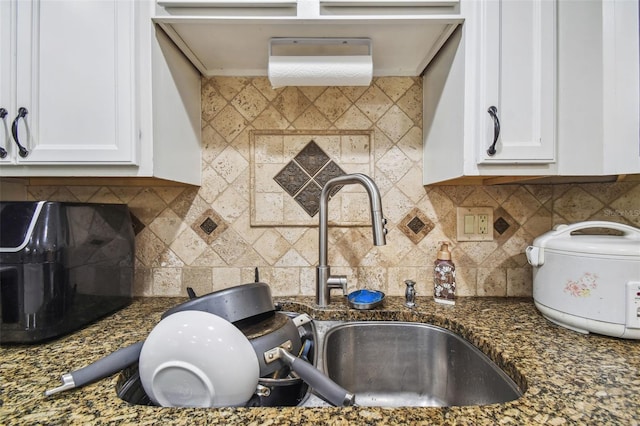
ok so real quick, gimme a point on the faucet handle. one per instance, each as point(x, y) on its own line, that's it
point(338, 281)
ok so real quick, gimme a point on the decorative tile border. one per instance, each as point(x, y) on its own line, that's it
point(289, 167)
point(416, 225)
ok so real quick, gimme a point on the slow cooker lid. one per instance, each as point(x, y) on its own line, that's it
point(595, 244)
point(561, 239)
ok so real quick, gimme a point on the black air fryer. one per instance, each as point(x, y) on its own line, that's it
point(62, 265)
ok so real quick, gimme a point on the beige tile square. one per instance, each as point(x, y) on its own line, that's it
point(353, 119)
point(167, 226)
point(374, 103)
point(250, 102)
point(148, 247)
point(230, 204)
point(492, 282)
point(394, 87)
point(269, 119)
point(355, 149)
point(332, 103)
point(308, 281)
point(311, 118)
point(199, 279)
point(212, 101)
point(307, 246)
point(395, 123)
point(520, 282)
point(291, 102)
point(230, 246)
point(521, 205)
point(411, 185)
point(291, 259)
point(142, 281)
point(228, 87)
point(395, 205)
point(268, 148)
point(372, 278)
point(167, 281)
point(286, 281)
point(188, 246)
point(229, 123)
point(225, 278)
point(229, 164)
point(411, 144)
point(466, 282)
point(411, 103)
point(271, 246)
point(268, 209)
point(394, 164)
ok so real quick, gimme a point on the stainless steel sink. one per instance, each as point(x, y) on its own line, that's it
point(393, 364)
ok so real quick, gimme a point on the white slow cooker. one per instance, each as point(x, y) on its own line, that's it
point(589, 283)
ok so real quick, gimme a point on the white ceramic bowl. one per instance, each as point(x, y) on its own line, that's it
point(197, 359)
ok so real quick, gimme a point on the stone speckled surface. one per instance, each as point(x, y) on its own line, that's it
point(569, 378)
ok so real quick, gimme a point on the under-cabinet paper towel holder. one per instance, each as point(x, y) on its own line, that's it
point(320, 61)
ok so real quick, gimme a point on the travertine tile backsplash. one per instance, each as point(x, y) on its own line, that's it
point(212, 237)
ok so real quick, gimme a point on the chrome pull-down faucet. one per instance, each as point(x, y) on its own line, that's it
point(324, 280)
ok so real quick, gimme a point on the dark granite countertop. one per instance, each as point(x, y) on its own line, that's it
point(569, 378)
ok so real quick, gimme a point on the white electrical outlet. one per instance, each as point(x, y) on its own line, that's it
point(474, 223)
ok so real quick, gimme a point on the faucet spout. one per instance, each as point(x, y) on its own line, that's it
point(324, 280)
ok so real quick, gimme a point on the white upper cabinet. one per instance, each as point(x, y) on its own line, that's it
point(95, 90)
point(517, 60)
point(562, 78)
point(598, 100)
point(68, 81)
point(493, 81)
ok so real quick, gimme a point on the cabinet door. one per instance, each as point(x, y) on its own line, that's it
point(518, 68)
point(5, 80)
point(75, 76)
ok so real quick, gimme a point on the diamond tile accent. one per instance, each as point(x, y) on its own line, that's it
point(296, 175)
point(309, 198)
point(312, 158)
point(330, 171)
point(509, 227)
point(208, 226)
point(416, 225)
point(292, 178)
point(500, 225)
point(306, 156)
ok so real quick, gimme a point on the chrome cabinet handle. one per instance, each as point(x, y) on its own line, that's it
point(3, 114)
point(493, 112)
point(22, 112)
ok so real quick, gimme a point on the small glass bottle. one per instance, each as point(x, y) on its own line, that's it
point(444, 277)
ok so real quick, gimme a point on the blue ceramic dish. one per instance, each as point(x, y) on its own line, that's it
point(365, 299)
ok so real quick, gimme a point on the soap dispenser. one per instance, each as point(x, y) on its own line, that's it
point(444, 276)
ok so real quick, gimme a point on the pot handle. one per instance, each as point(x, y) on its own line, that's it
point(323, 385)
point(110, 364)
point(628, 231)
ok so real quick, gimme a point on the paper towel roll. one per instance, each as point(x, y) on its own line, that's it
point(320, 70)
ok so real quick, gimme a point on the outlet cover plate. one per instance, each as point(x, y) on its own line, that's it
point(468, 215)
